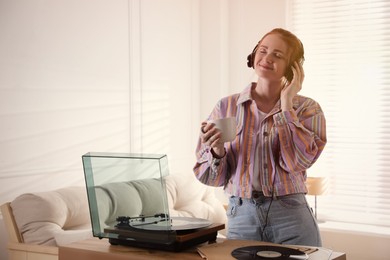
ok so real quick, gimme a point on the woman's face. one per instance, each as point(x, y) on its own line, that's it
point(271, 57)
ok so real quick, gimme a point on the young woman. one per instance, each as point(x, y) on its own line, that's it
point(280, 135)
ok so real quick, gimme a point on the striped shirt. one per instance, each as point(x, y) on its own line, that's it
point(290, 142)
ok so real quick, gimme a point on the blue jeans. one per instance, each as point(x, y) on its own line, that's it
point(289, 220)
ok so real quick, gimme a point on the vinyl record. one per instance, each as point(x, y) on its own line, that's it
point(185, 223)
point(267, 253)
point(176, 223)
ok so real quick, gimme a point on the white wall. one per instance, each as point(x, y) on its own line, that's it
point(358, 245)
point(63, 86)
point(162, 100)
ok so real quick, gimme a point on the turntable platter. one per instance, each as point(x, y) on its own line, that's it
point(176, 224)
point(185, 223)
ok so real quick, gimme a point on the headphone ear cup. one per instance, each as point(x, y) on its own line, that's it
point(251, 57)
point(250, 60)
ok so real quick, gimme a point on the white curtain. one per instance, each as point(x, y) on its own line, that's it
point(348, 72)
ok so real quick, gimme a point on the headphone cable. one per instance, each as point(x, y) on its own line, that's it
point(269, 208)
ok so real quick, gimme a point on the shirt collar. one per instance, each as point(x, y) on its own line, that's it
point(246, 95)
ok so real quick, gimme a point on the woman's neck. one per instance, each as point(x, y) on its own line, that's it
point(266, 94)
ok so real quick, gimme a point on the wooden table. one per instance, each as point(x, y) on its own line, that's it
point(96, 249)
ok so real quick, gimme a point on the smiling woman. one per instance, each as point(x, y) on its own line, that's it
point(280, 135)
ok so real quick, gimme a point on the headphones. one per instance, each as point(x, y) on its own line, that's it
point(251, 57)
point(251, 60)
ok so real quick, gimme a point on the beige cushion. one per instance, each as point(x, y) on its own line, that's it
point(69, 236)
point(187, 197)
point(135, 198)
point(43, 215)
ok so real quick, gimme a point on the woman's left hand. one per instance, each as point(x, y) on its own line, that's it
point(211, 136)
point(290, 89)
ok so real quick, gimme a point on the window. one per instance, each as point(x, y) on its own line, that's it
point(347, 71)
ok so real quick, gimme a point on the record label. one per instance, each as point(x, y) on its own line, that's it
point(268, 252)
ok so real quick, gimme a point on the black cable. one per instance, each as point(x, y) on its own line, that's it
point(266, 219)
point(269, 208)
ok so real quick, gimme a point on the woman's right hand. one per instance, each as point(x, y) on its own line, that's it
point(211, 136)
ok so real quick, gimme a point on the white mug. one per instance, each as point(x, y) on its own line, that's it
point(227, 126)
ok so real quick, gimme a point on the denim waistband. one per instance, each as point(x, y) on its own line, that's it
point(259, 195)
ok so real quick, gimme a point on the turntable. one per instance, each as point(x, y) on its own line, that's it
point(128, 203)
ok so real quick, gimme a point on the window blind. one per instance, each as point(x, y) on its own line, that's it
point(347, 70)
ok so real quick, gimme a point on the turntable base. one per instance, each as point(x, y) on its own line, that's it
point(168, 241)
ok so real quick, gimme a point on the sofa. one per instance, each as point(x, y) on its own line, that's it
point(38, 223)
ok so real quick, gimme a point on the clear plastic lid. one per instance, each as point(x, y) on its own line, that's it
point(127, 191)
